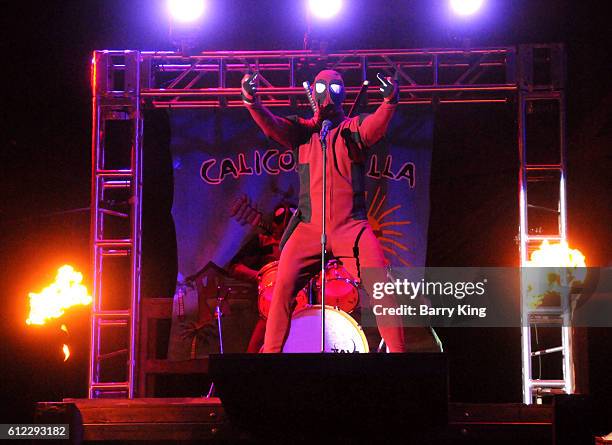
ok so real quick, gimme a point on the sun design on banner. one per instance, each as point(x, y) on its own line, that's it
point(383, 228)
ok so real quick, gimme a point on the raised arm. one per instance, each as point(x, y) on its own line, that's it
point(374, 126)
point(284, 131)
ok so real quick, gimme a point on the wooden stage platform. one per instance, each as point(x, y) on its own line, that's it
point(202, 420)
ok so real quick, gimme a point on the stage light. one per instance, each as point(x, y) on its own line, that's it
point(324, 9)
point(186, 11)
point(465, 7)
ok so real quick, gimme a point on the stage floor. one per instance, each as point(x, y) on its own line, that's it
point(191, 420)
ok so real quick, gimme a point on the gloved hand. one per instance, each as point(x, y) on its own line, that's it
point(249, 87)
point(389, 89)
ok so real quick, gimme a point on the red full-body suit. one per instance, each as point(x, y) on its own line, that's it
point(347, 227)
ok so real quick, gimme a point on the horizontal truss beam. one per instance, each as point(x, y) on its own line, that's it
point(212, 79)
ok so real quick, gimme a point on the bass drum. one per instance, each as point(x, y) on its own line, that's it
point(342, 333)
point(266, 278)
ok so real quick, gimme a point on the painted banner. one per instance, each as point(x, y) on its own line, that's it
point(221, 154)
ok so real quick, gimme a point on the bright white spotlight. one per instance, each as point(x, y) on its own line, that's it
point(186, 10)
point(465, 7)
point(325, 9)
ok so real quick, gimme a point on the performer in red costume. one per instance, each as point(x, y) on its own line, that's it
point(349, 235)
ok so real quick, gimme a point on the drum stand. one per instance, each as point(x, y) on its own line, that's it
point(218, 315)
point(323, 136)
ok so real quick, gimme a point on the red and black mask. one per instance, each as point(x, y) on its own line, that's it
point(329, 92)
point(282, 215)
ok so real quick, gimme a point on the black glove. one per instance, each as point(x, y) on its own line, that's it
point(249, 88)
point(389, 89)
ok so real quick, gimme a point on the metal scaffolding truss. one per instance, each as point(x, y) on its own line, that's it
point(126, 82)
point(213, 79)
point(116, 208)
point(543, 206)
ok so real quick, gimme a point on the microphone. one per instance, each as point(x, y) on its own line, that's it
point(325, 127)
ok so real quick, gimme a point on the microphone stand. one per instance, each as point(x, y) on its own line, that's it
point(218, 314)
point(323, 136)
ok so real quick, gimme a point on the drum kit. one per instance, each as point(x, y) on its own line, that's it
point(342, 333)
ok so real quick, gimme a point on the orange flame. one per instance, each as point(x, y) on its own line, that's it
point(66, 350)
point(556, 255)
point(53, 300)
point(567, 263)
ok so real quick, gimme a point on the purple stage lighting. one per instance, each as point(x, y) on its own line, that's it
point(465, 7)
point(186, 11)
point(324, 9)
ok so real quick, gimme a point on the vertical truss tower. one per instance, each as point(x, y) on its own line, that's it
point(543, 206)
point(116, 207)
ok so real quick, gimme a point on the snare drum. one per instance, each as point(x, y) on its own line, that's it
point(340, 288)
point(266, 278)
point(342, 333)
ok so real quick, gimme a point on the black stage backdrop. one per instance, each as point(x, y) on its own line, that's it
point(473, 222)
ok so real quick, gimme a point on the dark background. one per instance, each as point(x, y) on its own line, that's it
point(45, 161)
